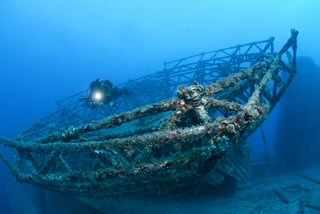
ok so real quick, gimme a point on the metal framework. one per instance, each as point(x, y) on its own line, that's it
point(196, 129)
point(204, 68)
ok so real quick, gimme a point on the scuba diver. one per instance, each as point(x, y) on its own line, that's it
point(102, 92)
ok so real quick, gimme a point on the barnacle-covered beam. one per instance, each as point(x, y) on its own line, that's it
point(111, 122)
point(186, 145)
point(205, 68)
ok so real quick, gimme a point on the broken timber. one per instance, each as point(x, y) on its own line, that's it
point(197, 129)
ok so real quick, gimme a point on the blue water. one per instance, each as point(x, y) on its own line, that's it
point(52, 49)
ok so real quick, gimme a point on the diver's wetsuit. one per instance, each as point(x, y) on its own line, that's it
point(108, 91)
point(119, 92)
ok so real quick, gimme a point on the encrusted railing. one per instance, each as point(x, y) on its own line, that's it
point(191, 133)
point(204, 68)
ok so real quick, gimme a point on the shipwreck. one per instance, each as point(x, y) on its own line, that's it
point(157, 141)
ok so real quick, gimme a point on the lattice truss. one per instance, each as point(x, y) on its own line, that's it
point(192, 131)
point(204, 68)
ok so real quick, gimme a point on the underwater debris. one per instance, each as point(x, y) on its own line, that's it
point(204, 122)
